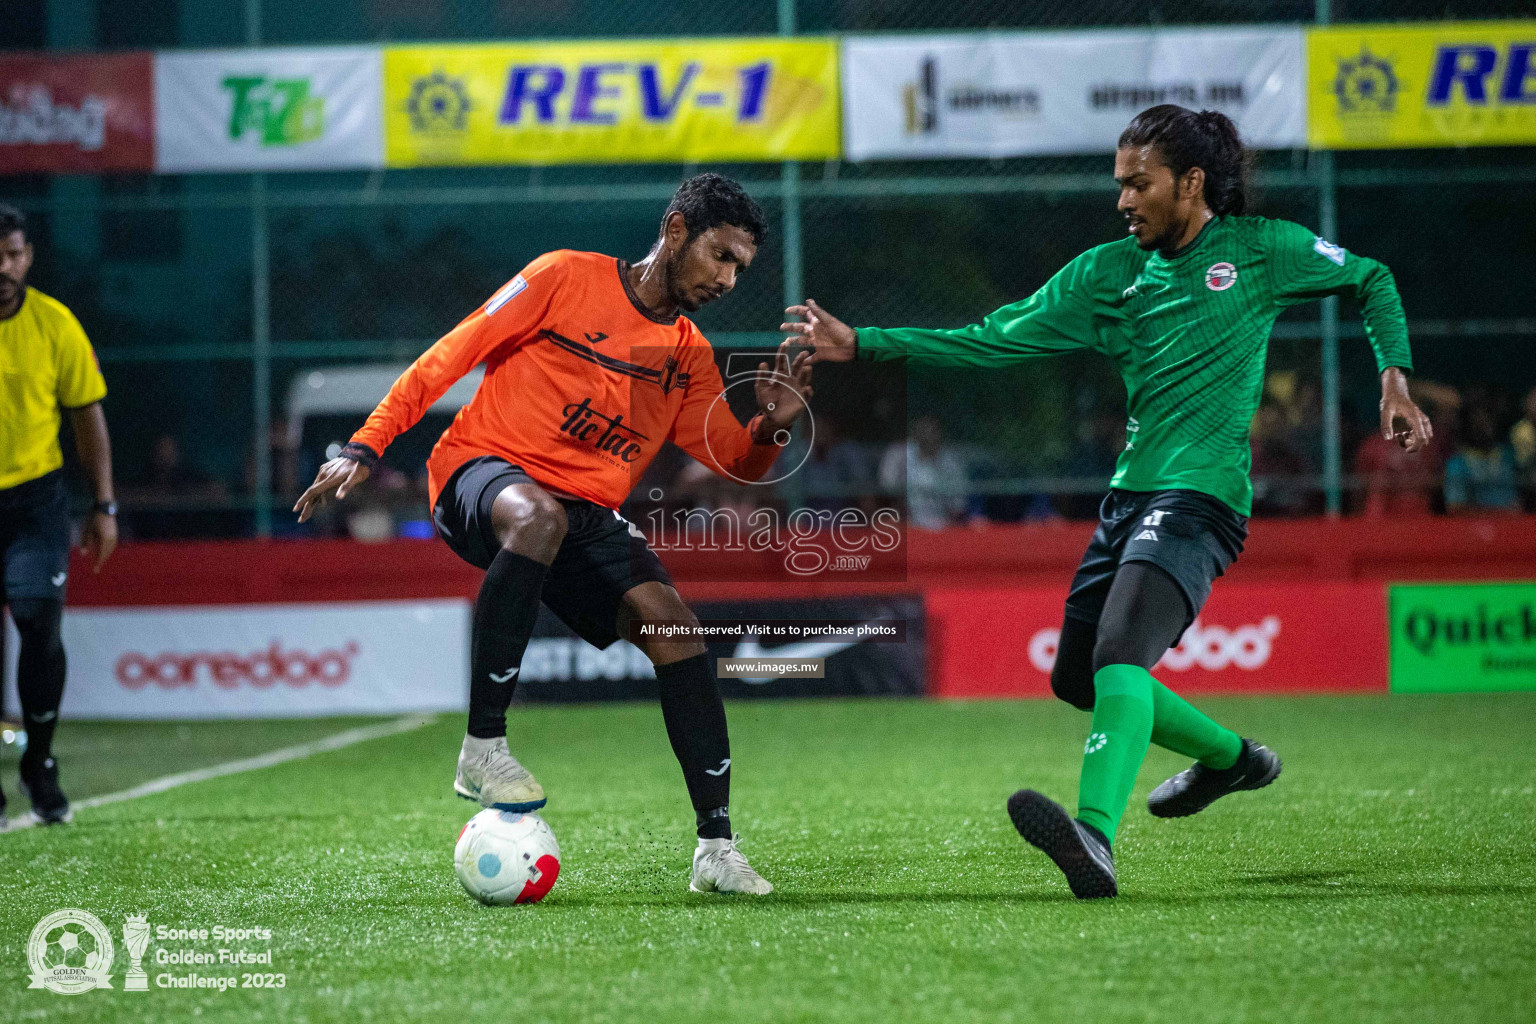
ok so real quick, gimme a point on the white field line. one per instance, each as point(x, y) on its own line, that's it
point(346, 738)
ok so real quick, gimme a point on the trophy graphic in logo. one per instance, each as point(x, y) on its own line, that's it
point(136, 938)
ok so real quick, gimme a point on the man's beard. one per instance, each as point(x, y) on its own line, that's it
point(673, 268)
point(16, 287)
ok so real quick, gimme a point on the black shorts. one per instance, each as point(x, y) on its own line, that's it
point(602, 558)
point(34, 538)
point(1191, 536)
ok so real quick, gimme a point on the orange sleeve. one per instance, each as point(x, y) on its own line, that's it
point(707, 429)
point(508, 318)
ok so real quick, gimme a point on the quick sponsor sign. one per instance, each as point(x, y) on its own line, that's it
point(612, 102)
point(282, 109)
point(87, 114)
point(1441, 84)
point(1022, 94)
point(267, 661)
point(1459, 637)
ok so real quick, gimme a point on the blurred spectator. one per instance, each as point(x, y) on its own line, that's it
point(1481, 475)
point(1092, 458)
point(931, 473)
point(1282, 483)
point(838, 473)
point(171, 499)
point(1395, 482)
point(1522, 440)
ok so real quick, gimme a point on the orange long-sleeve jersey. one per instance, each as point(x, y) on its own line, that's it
point(582, 386)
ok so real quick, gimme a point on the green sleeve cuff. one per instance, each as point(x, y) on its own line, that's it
point(873, 343)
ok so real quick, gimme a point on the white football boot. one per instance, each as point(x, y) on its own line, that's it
point(719, 867)
point(490, 774)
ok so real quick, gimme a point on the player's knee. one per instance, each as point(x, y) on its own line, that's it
point(662, 605)
point(535, 523)
point(38, 621)
point(1073, 683)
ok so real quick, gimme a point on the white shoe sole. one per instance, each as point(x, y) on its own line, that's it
point(523, 807)
point(727, 892)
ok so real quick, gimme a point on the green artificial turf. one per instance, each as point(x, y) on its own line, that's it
point(1388, 875)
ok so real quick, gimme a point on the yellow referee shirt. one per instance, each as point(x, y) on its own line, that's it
point(46, 364)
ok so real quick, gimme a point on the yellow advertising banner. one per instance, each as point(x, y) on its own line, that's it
point(1442, 84)
point(675, 100)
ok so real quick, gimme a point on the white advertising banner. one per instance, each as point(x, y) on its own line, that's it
point(260, 110)
point(1014, 94)
point(267, 661)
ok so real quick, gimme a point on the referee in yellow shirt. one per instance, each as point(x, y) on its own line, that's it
point(46, 365)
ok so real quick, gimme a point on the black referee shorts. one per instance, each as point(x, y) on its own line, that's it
point(1190, 535)
point(602, 558)
point(34, 538)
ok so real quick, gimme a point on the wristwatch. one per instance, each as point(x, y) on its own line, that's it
point(106, 508)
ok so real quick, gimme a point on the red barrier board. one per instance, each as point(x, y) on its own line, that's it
point(82, 114)
point(1256, 638)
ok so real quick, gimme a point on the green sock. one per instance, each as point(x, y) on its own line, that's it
point(1117, 743)
point(1178, 726)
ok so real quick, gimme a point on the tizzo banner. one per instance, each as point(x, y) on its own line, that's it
point(74, 115)
point(611, 102)
point(1016, 94)
point(252, 110)
point(1447, 84)
point(267, 661)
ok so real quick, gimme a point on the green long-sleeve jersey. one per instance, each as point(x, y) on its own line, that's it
point(1189, 333)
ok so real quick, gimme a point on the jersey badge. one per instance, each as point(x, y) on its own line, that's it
point(1220, 277)
point(1323, 247)
point(509, 291)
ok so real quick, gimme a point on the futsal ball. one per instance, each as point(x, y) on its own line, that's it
point(505, 857)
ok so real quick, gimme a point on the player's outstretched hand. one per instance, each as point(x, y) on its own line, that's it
point(834, 340)
point(337, 477)
point(1415, 431)
point(783, 392)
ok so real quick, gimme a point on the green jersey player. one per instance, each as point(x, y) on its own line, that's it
point(1184, 307)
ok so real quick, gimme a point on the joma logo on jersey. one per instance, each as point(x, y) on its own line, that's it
point(609, 434)
point(1220, 277)
point(279, 111)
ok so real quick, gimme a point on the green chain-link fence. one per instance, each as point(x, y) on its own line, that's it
point(369, 268)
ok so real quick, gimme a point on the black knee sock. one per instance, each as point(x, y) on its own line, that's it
point(39, 673)
point(695, 717)
point(505, 612)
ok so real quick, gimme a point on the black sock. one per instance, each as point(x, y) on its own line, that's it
point(695, 717)
point(39, 673)
point(505, 613)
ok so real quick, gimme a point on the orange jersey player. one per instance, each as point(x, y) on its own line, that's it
point(589, 369)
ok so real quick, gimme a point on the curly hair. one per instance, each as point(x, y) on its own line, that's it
point(709, 200)
point(1207, 140)
point(11, 219)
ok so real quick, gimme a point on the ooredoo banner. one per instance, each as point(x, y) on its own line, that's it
point(267, 661)
point(612, 102)
point(1022, 94)
point(61, 115)
point(1256, 638)
point(254, 110)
